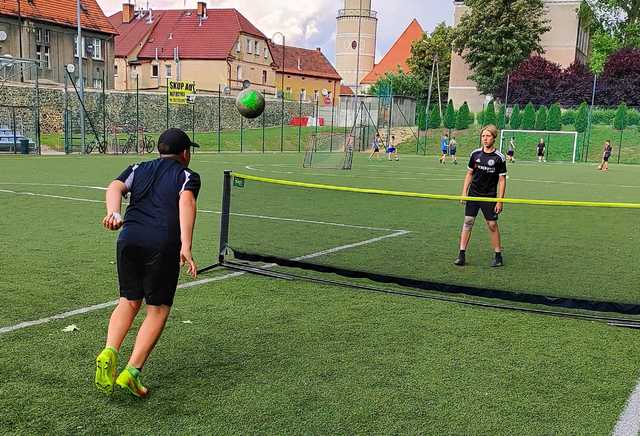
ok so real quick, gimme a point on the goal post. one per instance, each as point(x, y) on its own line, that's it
point(560, 145)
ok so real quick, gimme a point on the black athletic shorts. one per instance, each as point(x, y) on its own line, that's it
point(540, 153)
point(488, 210)
point(606, 157)
point(148, 272)
point(510, 153)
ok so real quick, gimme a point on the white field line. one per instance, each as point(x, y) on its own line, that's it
point(629, 421)
point(264, 217)
point(93, 308)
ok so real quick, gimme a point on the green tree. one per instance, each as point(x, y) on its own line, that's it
point(502, 117)
point(434, 118)
point(541, 118)
point(495, 36)
point(620, 123)
point(554, 120)
point(399, 83)
point(516, 118)
point(435, 45)
point(529, 117)
point(450, 117)
point(582, 119)
point(490, 115)
point(463, 117)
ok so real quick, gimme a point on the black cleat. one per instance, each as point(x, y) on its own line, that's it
point(460, 261)
point(497, 262)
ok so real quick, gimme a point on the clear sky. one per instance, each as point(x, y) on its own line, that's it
point(312, 23)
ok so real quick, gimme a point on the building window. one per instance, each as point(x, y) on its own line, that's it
point(315, 95)
point(238, 46)
point(264, 77)
point(303, 94)
point(97, 83)
point(250, 47)
point(134, 71)
point(83, 48)
point(257, 48)
point(154, 70)
point(167, 69)
point(239, 72)
point(115, 71)
point(266, 53)
point(42, 55)
point(42, 36)
point(97, 49)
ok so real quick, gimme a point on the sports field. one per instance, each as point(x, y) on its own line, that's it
point(249, 354)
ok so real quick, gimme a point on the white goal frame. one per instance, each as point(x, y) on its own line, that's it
point(544, 132)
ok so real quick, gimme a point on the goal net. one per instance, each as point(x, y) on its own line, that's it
point(329, 151)
point(559, 146)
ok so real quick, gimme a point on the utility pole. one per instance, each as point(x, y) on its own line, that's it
point(79, 48)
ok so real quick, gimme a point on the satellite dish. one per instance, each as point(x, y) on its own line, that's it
point(246, 84)
point(226, 90)
point(325, 92)
point(71, 68)
point(3, 35)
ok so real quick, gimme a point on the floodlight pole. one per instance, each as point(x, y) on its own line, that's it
point(81, 77)
point(593, 99)
point(284, 48)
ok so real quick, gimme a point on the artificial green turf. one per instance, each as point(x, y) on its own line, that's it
point(270, 356)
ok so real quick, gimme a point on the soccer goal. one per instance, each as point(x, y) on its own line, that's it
point(329, 151)
point(559, 146)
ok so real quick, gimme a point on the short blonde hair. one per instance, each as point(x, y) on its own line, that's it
point(491, 129)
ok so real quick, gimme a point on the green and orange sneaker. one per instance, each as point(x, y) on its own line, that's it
point(106, 364)
point(129, 379)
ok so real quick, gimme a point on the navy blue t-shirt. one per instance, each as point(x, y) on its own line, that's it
point(152, 217)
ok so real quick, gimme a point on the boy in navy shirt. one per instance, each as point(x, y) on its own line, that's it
point(155, 241)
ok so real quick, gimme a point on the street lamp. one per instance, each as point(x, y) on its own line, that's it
point(281, 88)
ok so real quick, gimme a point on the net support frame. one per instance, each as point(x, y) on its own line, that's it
point(544, 132)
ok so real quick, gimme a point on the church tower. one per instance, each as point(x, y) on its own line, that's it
point(356, 41)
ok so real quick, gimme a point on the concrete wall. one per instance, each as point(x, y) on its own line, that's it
point(121, 110)
point(61, 50)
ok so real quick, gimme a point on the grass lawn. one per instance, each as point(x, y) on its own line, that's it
point(257, 355)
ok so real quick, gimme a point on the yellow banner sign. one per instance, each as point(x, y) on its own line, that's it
point(181, 92)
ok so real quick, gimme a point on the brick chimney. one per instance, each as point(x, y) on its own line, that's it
point(128, 13)
point(319, 49)
point(202, 9)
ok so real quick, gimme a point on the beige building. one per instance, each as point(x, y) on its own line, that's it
point(308, 75)
point(357, 27)
point(568, 41)
point(46, 32)
point(216, 48)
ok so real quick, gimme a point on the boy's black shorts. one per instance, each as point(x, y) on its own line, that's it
point(148, 272)
point(488, 210)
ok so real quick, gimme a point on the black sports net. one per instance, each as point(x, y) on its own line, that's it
point(574, 257)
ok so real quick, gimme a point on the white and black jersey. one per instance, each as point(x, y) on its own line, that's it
point(487, 169)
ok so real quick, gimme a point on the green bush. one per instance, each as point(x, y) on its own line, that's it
point(462, 118)
point(569, 117)
point(529, 117)
point(516, 118)
point(554, 120)
point(620, 120)
point(603, 116)
point(541, 118)
point(502, 117)
point(633, 117)
point(434, 118)
point(490, 116)
point(582, 118)
point(450, 116)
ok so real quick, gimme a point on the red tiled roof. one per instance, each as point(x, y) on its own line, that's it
point(214, 39)
point(345, 90)
point(61, 12)
point(304, 62)
point(396, 58)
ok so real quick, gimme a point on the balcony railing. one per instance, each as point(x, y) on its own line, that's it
point(357, 13)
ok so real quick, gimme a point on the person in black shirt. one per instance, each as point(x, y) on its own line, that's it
point(486, 177)
point(540, 150)
point(155, 240)
point(606, 155)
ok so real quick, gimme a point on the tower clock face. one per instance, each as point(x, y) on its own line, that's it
point(354, 45)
